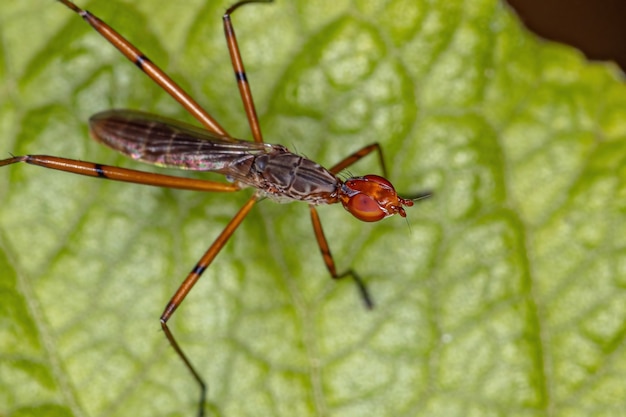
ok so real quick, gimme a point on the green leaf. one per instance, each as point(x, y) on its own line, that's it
point(505, 294)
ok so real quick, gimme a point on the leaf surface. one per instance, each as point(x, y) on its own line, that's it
point(505, 294)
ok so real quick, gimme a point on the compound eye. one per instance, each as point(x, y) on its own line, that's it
point(365, 208)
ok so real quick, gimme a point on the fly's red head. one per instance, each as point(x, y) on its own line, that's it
point(372, 198)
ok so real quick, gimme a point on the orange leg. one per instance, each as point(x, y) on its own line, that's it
point(349, 160)
point(319, 232)
point(139, 177)
point(240, 72)
point(91, 169)
point(120, 174)
point(188, 284)
point(152, 70)
point(330, 262)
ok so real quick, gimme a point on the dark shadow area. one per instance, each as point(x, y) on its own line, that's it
point(596, 27)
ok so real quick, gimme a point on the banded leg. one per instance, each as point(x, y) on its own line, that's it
point(152, 70)
point(188, 284)
point(240, 72)
point(330, 262)
point(91, 169)
point(356, 156)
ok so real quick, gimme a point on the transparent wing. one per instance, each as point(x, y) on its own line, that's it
point(166, 142)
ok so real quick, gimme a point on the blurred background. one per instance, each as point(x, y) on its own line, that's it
point(597, 28)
